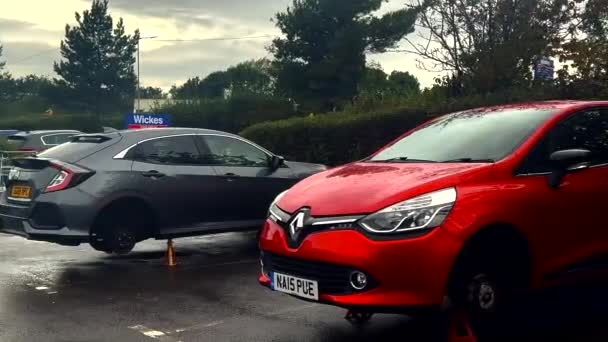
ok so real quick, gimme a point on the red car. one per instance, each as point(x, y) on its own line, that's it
point(469, 208)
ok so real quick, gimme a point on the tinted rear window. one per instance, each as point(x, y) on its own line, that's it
point(57, 139)
point(75, 151)
point(16, 141)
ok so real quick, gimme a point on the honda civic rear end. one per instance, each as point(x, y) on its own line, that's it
point(42, 200)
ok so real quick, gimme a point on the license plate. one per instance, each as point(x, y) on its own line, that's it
point(304, 288)
point(20, 191)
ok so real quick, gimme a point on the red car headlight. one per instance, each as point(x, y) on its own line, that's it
point(422, 212)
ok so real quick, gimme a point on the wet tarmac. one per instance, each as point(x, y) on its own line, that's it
point(55, 293)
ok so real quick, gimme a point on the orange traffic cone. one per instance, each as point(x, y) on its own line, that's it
point(171, 260)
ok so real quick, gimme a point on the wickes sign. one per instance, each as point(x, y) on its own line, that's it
point(147, 120)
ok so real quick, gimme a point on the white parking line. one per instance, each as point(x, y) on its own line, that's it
point(154, 334)
point(199, 326)
point(202, 326)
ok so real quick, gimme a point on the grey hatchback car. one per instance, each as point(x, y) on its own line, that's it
point(115, 189)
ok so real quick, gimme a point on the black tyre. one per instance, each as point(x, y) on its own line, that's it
point(99, 244)
point(486, 282)
point(117, 233)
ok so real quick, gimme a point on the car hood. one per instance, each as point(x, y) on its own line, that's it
point(363, 188)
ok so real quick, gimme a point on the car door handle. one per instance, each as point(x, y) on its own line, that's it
point(153, 174)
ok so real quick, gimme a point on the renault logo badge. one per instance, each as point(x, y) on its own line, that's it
point(297, 223)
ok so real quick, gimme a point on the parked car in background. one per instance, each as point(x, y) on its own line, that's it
point(8, 132)
point(115, 189)
point(35, 141)
point(474, 206)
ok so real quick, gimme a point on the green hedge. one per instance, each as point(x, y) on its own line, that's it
point(337, 138)
point(364, 126)
point(81, 122)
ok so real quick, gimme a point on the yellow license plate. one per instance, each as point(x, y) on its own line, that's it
point(21, 191)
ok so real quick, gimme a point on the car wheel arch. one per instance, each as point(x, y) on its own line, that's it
point(137, 205)
point(501, 240)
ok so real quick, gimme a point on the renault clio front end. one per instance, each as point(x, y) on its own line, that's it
point(467, 208)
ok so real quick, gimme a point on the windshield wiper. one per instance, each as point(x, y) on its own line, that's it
point(469, 160)
point(403, 160)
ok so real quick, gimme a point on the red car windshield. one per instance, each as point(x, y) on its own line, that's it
point(471, 136)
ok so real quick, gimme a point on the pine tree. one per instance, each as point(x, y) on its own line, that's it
point(2, 64)
point(98, 60)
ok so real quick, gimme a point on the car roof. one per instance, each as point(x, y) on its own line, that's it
point(558, 105)
point(159, 132)
point(41, 132)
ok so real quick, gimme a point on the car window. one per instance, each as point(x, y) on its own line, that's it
point(585, 130)
point(171, 150)
point(63, 138)
point(484, 134)
point(233, 152)
point(49, 139)
point(56, 139)
point(16, 141)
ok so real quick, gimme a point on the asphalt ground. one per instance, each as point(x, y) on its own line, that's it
point(56, 293)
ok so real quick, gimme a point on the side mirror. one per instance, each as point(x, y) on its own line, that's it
point(566, 161)
point(276, 162)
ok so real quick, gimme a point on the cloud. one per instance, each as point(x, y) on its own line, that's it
point(259, 11)
point(31, 29)
point(13, 25)
point(23, 58)
point(175, 63)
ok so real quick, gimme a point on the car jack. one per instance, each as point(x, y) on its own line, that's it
point(357, 318)
point(171, 260)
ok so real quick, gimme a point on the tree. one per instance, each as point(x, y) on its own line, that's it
point(377, 84)
point(212, 86)
point(7, 84)
point(152, 93)
point(7, 88)
point(490, 44)
point(404, 83)
point(250, 77)
point(253, 77)
point(589, 55)
point(321, 60)
point(2, 64)
point(188, 90)
point(98, 60)
point(374, 82)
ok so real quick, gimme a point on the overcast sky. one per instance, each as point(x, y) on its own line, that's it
point(30, 31)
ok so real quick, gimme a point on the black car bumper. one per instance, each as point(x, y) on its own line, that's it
point(16, 220)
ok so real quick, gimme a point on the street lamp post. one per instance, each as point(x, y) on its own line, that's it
point(138, 66)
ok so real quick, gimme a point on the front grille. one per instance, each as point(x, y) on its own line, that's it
point(333, 279)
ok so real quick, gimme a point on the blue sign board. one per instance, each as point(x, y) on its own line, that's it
point(544, 69)
point(148, 120)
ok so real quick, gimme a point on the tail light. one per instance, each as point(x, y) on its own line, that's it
point(26, 149)
point(68, 176)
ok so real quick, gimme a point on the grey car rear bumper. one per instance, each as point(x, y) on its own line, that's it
point(15, 220)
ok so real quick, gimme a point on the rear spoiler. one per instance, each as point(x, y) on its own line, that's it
point(90, 138)
point(33, 163)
